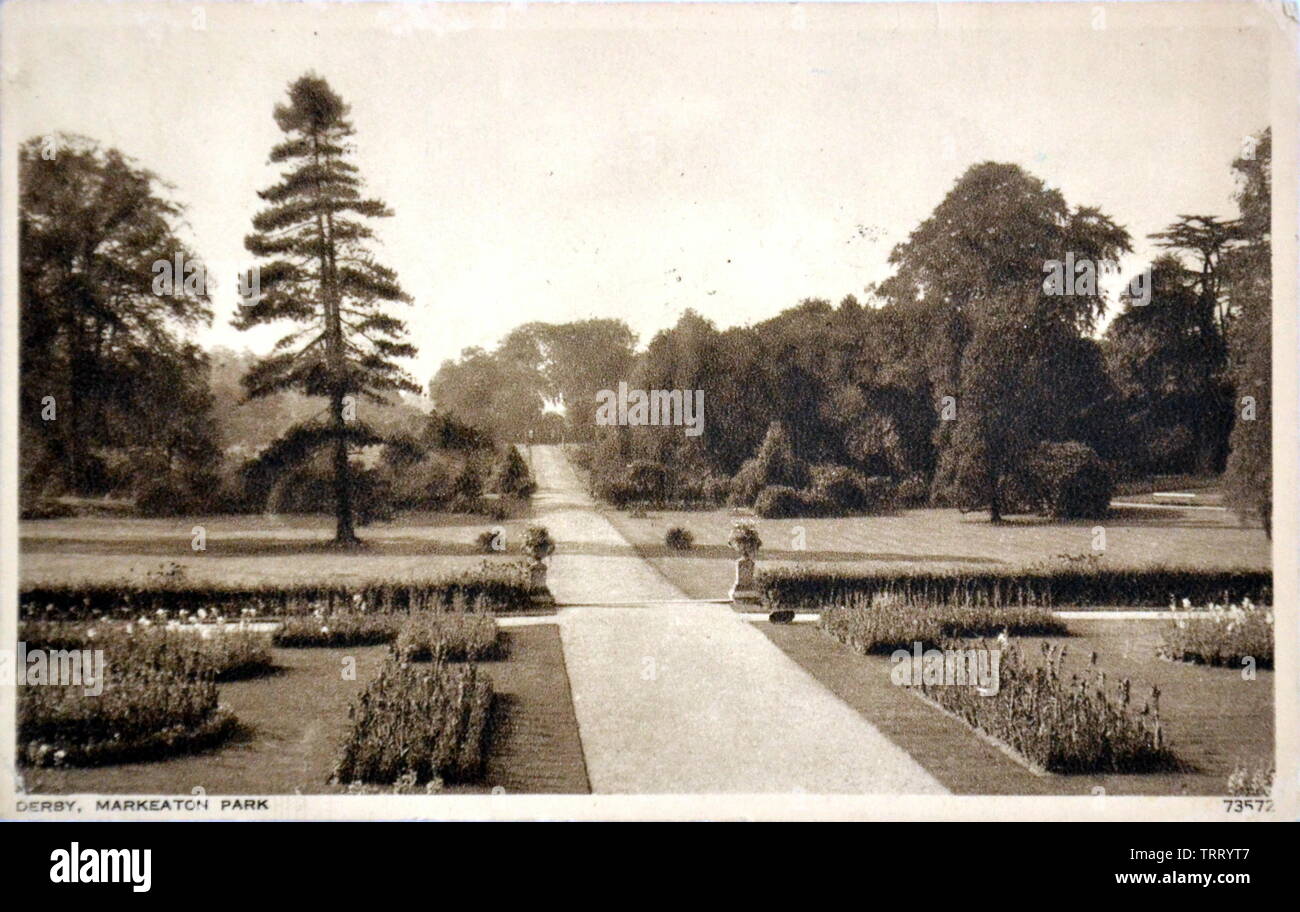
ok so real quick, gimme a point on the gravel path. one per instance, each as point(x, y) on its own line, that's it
point(688, 698)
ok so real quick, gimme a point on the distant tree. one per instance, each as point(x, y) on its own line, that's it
point(1178, 411)
point(99, 334)
point(503, 396)
point(318, 274)
point(1249, 474)
point(1204, 347)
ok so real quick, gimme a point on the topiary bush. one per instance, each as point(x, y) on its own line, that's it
point(510, 475)
point(774, 465)
point(1070, 481)
point(779, 502)
point(843, 488)
point(679, 539)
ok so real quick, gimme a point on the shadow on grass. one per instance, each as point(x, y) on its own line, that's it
point(251, 673)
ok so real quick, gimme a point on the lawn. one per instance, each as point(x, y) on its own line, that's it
point(255, 550)
point(1213, 719)
point(940, 539)
point(295, 719)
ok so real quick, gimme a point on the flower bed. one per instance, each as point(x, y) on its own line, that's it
point(449, 637)
point(807, 588)
point(1221, 635)
point(343, 628)
point(418, 724)
point(227, 654)
point(159, 697)
point(885, 623)
point(1059, 724)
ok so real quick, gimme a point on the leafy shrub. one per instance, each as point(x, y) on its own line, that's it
point(490, 542)
point(510, 475)
point(47, 509)
point(1060, 724)
point(679, 539)
point(1251, 779)
point(451, 637)
point(159, 698)
point(715, 489)
point(843, 487)
point(613, 487)
point(879, 494)
point(886, 623)
point(1070, 481)
point(808, 587)
point(778, 502)
point(913, 491)
point(167, 495)
point(1221, 635)
point(774, 464)
point(338, 629)
point(429, 722)
point(744, 536)
point(648, 480)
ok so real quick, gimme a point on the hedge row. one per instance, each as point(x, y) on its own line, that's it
point(805, 588)
point(505, 588)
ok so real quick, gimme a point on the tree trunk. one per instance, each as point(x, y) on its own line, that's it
point(344, 533)
point(995, 500)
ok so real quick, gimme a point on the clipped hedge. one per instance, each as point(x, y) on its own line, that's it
point(811, 588)
point(496, 587)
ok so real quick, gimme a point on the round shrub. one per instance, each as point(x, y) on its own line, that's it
point(844, 489)
point(490, 542)
point(1071, 481)
point(164, 496)
point(913, 491)
point(679, 539)
point(778, 502)
point(648, 480)
point(878, 494)
point(715, 489)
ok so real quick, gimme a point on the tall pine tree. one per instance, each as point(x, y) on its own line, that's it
point(318, 275)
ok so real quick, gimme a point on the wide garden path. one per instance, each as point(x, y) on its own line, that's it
point(674, 696)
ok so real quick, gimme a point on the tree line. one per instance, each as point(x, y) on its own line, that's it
point(966, 377)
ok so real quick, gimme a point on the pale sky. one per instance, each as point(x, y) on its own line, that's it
point(557, 163)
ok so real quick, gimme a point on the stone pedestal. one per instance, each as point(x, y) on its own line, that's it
point(744, 590)
point(537, 589)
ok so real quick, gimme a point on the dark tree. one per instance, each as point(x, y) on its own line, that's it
point(318, 275)
point(1249, 475)
point(101, 337)
point(974, 272)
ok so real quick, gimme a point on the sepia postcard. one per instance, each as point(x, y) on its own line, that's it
point(649, 411)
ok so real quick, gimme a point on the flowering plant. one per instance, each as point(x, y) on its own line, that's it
point(744, 538)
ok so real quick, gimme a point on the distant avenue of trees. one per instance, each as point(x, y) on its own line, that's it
point(962, 379)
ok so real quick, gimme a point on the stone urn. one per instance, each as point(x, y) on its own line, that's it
point(538, 545)
point(745, 541)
